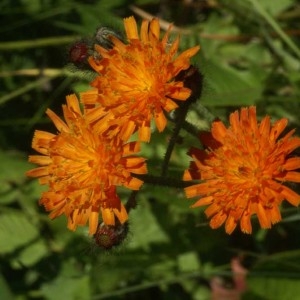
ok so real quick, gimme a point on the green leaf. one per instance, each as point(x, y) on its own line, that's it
point(275, 288)
point(188, 262)
point(32, 6)
point(274, 7)
point(230, 87)
point(15, 231)
point(8, 193)
point(13, 167)
point(162, 269)
point(67, 289)
point(31, 254)
point(145, 229)
point(5, 292)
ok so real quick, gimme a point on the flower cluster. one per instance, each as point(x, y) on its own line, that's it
point(90, 156)
point(243, 169)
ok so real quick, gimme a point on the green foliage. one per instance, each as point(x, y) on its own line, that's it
point(275, 288)
point(249, 56)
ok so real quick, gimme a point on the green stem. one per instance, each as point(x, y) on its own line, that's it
point(207, 115)
point(187, 126)
point(179, 120)
point(163, 181)
point(131, 201)
point(44, 42)
point(24, 89)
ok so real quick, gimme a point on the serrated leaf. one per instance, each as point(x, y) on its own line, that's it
point(15, 231)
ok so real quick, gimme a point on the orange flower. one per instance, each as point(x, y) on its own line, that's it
point(136, 80)
point(242, 171)
point(82, 170)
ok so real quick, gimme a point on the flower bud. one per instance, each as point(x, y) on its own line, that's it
point(78, 54)
point(192, 78)
point(102, 37)
point(108, 237)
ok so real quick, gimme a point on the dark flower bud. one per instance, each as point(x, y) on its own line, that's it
point(108, 237)
point(192, 78)
point(79, 53)
point(103, 36)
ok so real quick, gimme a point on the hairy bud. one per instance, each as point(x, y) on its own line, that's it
point(108, 237)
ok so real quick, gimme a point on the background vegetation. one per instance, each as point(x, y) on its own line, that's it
point(249, 55)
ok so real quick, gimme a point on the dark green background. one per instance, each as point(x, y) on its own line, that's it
point(170, 252)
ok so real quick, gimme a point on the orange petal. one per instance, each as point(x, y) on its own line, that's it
point(38, 172)
point(134, 183)
point(230, 224)
point(170, 105)
point(121, 214)
point(127, 130)
point(275, 214)
point(292, 176)
point(203, 201)
point(265, 126)
point(93, 222)
point(40, 160)
point(213, 209)
point(217, 220)
point(253, 120)
point(160, 121)
point(73, 103)
point(290, 196)
point(188, 53)
point(144, 133)
point(192, 190)
point(131, 148)
point(155, 28)
point(218, 130)
point(58, 122)
point(144, 31)
point(180, 94)
point(278, 128)
point(131, 28)
point(245, 223)
point(292, 163)
point(187, 176)
point(263, 218)
point(108, 216)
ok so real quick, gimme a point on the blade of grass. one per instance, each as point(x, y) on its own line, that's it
point(275, 27)
point(43, 42)
point(24, 89)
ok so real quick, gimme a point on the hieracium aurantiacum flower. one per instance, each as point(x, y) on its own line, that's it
point(82, 170)
point(243, 170)
point(136, 82)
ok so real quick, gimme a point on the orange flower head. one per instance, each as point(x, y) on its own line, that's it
point(136, 81)
point(243, 171)
point(83, 169)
